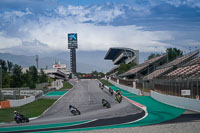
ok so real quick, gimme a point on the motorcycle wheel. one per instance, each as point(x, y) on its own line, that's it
point(78, 112)
point(17, 121)
point(26, 120)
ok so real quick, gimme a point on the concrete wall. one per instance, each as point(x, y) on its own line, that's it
point(181, 102)
point(58, 84)
point(129, 89)
point(20, 102)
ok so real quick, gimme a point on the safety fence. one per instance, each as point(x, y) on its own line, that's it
point(189, 88)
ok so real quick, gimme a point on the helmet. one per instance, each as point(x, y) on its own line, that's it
point(15, 112)
point(70, 106)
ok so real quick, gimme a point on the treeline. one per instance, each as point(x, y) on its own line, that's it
point(172, 53)
point(11, 76)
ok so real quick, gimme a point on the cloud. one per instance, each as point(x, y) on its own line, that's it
point(94, 13)
point(7, 42)
point(190, 3)
point(51, 28)
point(53, 32)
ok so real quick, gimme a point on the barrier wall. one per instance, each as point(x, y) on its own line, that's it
point(129, 89)
point(181, 102)
point(58, 84)
point(20, 102)
point(4, 104)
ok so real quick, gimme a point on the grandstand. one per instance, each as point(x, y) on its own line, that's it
point(145, 68)
point(166, 68)
point(165, 77)
point(186, 71)
point(121, 55)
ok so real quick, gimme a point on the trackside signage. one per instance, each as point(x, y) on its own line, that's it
point(30, 92)
point(22, 92)
point(185, 92)
point(8, 92)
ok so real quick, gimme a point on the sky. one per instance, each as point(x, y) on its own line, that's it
point(41, 26)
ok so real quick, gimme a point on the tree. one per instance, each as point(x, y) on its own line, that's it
point(152, 55)
point(173, 53)
point(10, 65)
point(34, 74)
point(3, 65)
point(42, 77)
point(27, 80)
point(17, 76)
point(125, 67)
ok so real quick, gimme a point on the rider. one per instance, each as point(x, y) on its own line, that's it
point(104, 102)
point(118, 92)
point(16, 114)
point(72, 108)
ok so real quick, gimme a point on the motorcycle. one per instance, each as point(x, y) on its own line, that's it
point(74, 110)
point(21, 119)
point(111, 91)
point(105, 103)
point(118, 98)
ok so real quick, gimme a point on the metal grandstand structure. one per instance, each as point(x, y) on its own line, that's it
point(145, 68)
point(170, 78)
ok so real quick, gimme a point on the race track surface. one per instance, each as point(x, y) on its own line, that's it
point(86, 96)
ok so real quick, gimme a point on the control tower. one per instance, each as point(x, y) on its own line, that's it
point(72, 45)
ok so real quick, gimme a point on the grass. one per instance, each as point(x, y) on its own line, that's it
point(105, 82)
point(33, 109)
point(66, 86)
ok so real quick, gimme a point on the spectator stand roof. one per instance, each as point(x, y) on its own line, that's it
point(119, 55)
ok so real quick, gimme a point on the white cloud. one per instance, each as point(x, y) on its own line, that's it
point(91, 36)
point(93, 13)
point(6, 42)
point(190, 3)
point(14, 14)
point(53, 32)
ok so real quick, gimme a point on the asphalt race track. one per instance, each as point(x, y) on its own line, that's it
point(86, 96)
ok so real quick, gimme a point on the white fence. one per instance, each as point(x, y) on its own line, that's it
point(17, 103)
point(181, 102)
point(129, 89)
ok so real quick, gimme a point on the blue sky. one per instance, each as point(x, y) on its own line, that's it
point(41, 26)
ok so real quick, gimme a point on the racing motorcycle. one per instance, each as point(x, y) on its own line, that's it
point(118, 98)
point(21, 119)
point(111, 90)
point(74, 110)
point(105, 103)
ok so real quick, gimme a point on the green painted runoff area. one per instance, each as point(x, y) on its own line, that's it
point(56, 93)
point(157, 113)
